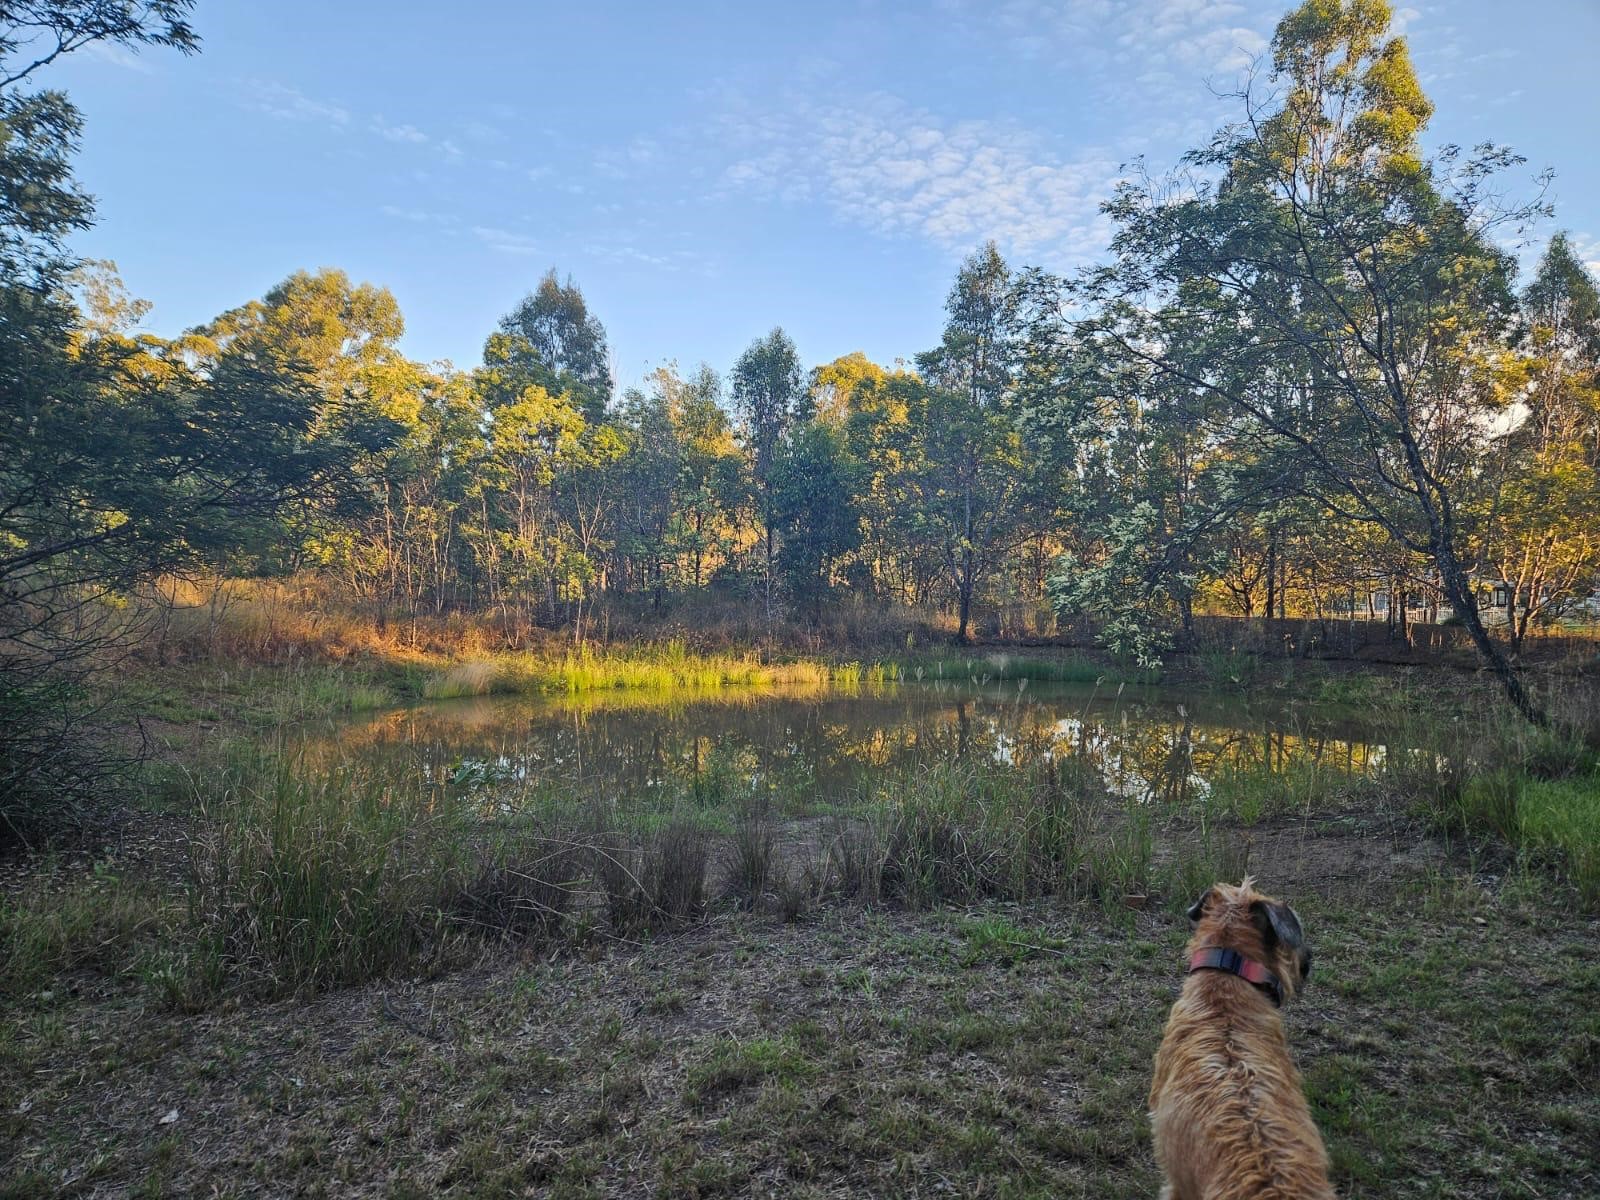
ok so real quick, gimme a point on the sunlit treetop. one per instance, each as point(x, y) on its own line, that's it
point(1351, 93)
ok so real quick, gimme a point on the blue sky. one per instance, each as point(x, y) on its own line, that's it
point(708, 170)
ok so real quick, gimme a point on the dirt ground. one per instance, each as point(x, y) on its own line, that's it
point(1450, 1042)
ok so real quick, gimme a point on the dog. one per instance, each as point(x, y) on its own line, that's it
point(1227, 1109)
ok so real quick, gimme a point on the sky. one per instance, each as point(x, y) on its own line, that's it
point(705, 171)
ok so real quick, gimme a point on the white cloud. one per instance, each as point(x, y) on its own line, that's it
point(505, 241)
point(289, 104)
point(399, 133)
point(1158, 48)
point(626, 252)
point(625, 162)
point(900, 170)
point(119, 56)
point(419, 216)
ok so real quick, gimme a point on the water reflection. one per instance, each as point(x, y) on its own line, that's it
point(1145, 745)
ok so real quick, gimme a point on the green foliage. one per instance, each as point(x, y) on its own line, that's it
point(1242, 296)
point(1538, 514)
point(814, 483)
point(551, 341)
point(1128, 588)
point(1235, 410)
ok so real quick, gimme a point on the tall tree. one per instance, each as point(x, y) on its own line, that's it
point(973, 476)
point(814, 485)
point(551, 340)
point(769, 395)
point(1541, 530)
point(1332, 289)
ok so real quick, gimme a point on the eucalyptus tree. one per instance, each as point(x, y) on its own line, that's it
point(681, 480)
point(769, 396)
point(647, 420)
point(711, 478)
point(815, 482)
point(1541, 527)
point(903, 553)
point(551, 340)
point(120, 458)
point(973, 477)
point(343, 337)
point(1333, 290)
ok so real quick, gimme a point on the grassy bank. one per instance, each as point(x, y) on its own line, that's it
point(301, 873)
point(272, 695)
point(1448, 1040)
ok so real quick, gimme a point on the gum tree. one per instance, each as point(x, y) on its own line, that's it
point(1337, 295)
point(1541, 533)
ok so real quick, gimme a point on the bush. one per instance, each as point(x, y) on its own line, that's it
point(56, 766)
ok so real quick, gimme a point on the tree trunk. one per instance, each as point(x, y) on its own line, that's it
point(1458, 590)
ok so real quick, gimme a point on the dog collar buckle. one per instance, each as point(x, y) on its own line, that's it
point(1248, 969)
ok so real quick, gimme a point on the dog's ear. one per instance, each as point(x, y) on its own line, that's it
point(1278, 923)
point(1198, 908)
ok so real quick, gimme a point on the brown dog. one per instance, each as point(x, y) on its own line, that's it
point(1227, 1109)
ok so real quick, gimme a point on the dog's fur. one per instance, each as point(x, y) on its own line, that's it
point(1227, 1108)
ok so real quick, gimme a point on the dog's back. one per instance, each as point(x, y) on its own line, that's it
point(1227, 1108)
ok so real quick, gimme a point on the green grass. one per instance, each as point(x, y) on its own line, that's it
point(850, 1056)
point(306, 874)
point(264, 696)
point(672, 667)
point(302, 878)
point(991, 667)
point(61, 924)
point(1250, 789)
point(1564, 815)
point(1554, 819)
point(272, 696)
point(668, 666)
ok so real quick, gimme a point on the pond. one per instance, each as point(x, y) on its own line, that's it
point(818, 747)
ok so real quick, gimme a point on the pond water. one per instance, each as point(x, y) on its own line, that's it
point(818, 747)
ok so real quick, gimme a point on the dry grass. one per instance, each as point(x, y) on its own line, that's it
point(856, 1054)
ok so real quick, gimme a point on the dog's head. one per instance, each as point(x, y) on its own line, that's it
point(1257, 926)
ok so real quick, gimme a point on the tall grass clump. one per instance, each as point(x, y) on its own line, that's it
point(749, 866)
point(303, 879)
point(526, 893)
point(307, 876)
point(652, 878)
point(963, 832)
point(960, 832)
point(656, 667)
point(1555, 820)
point(466, 679)
point(1251, 789)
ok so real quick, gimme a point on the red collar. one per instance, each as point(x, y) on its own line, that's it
point(1215, 958)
